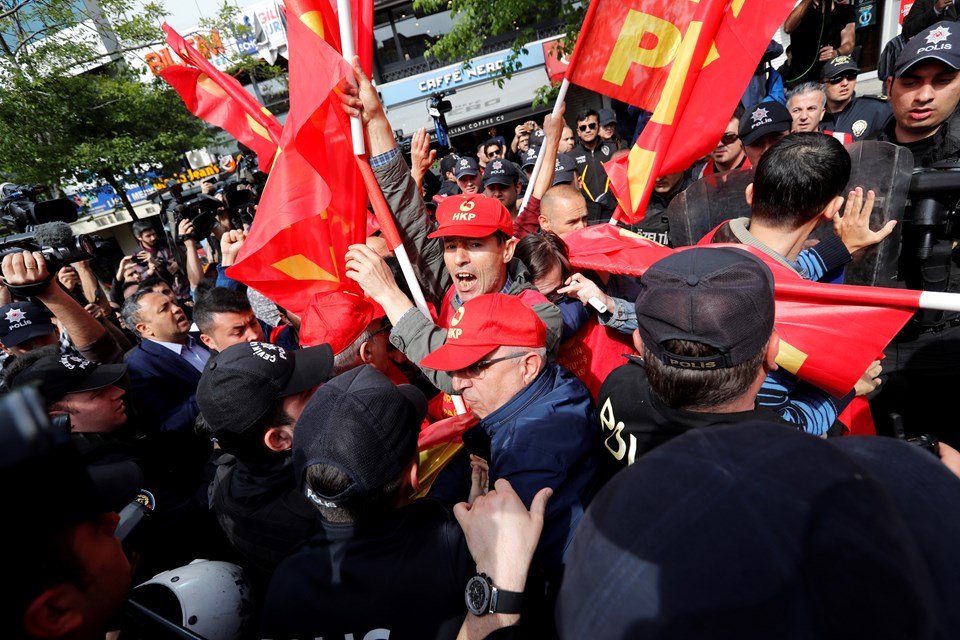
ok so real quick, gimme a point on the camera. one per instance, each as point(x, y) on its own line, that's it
point(202, 212)
point(437, 107)
point(55, 241)
point(929, 233)
point(241, 201)
point(20, 209)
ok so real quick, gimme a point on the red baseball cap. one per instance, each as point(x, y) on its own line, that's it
point(483, 324)
point(337, 318)
point(472, 216)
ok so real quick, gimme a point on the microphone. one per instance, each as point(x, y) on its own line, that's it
point(53, 234)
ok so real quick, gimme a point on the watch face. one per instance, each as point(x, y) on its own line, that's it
point(477, 596)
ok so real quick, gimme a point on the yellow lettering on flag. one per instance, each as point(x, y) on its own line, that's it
point(790, 358)
point(207, 84)
point(736, 6)
point(314, 21)
point(667, 105)
point(627, 49)
point(266, 112)
point(257, 128)
point(299, 267)
point(712, 55)
point(639, 171)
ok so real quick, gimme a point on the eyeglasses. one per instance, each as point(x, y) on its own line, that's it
point(493, 153)
point(849, 76)
point(386, 327)
point(590, 126)
point(477, 369)
point(729, 138)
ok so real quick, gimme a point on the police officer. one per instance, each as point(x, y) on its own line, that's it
point(850, 117)
point(921, 376)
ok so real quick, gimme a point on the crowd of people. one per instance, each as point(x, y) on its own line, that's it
point(697, 490)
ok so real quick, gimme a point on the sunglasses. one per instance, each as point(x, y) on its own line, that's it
point(729, 138)
point(477, 369)
point(590, 126)
point(849, 76)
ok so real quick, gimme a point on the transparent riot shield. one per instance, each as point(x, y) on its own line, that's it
point(703, 205)
point(887, 169)
point(881, 166)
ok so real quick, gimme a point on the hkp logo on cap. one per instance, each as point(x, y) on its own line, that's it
point(452, 332)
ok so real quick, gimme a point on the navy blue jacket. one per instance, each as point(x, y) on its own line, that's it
point(546, 436)
point(163, 387)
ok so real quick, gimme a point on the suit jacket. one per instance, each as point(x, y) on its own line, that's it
point(163, 386)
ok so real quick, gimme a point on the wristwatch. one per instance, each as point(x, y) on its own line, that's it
point(483, 598)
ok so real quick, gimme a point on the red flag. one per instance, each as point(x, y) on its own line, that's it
point(314, 204)
point(812, 318)
point(221, 100)
point(593, 352)
point(858, 418)
point(687, 62)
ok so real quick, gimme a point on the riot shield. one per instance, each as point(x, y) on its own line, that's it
point(882, 166)
point(712, 199)
point(887, 169)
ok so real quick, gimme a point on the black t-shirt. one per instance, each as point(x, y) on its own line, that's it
point(399, 577)
point(816, 30)
point(634, 420)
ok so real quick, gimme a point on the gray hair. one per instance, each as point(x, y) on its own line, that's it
point(130, 311)
point(808, 87)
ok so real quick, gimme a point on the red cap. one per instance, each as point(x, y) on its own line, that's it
point(483, 324)
point(472, 216)
point(337, 318)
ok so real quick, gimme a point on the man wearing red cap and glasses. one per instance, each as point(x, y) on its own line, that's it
point(537, 419)
point(467, 252)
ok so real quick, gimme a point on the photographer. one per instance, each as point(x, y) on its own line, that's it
point(21, 271)
point(521, 140)
point(195, 274)
point(155, 257)
point(79, 281)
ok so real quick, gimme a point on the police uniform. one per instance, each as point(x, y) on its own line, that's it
point(920, 373)
point(595, 184)
point(398, 576)
point(863, 118)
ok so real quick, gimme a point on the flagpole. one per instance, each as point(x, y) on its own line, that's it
point(379, 204)
point(561, 96)
point(346, 44)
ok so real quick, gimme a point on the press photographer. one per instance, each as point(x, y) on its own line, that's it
point(28, 271)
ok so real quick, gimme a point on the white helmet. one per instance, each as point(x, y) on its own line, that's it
point(210, 598)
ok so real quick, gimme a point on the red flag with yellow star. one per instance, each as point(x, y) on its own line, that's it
point(314, 204)
point(812, 318)
point(688, 62)
point(217, 98)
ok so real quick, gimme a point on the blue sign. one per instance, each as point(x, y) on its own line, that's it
point(106, 199)
point(456, 75)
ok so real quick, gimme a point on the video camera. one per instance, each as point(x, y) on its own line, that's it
point(201, 210)
point(934, 197)
point(240, 201)
point(20, 209)
point(55, 241)
point(437, 107)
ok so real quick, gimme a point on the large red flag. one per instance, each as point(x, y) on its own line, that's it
point(314, 204)
point(221, 100)
point(687, 62)
point(812, 318)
